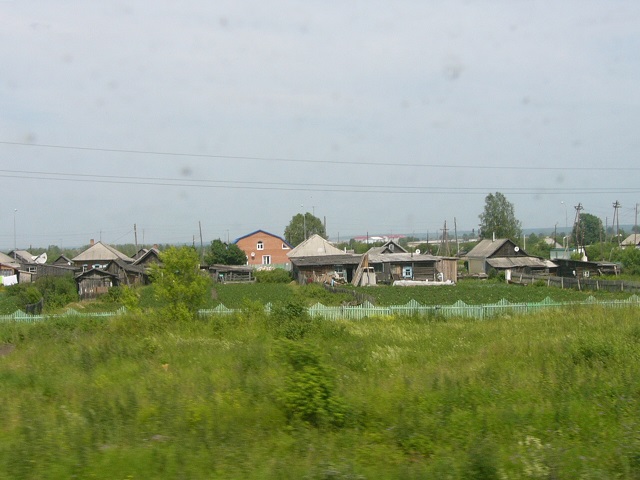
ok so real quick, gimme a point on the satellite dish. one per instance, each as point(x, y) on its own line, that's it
point(418, 251)
point(516, 249)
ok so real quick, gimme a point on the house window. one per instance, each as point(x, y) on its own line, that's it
point(407, 272)
point(260, 245)
point(285, 246)
point(266, 259)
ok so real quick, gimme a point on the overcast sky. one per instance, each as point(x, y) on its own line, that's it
point(382, 117)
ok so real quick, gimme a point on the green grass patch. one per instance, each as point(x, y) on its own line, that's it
point(550, 395)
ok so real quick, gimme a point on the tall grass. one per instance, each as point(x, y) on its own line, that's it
point(554, 395)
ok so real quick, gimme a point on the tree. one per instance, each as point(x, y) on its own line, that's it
point(588, 231)
point(302, 227)
point(179, 284)
point(499, 218)
point(220, 253)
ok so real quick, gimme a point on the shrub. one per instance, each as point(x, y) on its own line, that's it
point(277, 275)
point(290, 320)
point(308, 391)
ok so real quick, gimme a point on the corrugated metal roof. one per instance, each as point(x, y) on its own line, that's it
point(324, 260)
point(517, 262)
point(401, 258)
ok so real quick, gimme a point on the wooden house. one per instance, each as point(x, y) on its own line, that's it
point(502, 254)
point(231, 273)
point(632, 240)
point(150, 257)
point(316, 260)
point(264, 249)
point(391, 262)
point(95, 282)
point(98, 255)
point(321, 268)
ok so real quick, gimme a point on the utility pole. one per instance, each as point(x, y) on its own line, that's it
point(616, 219)
point(576, 224)
point(135, 236)
point(635, 228)
point(455, 229)
point(201, 245)
point(445, 252)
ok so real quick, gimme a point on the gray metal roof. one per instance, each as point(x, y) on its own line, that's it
point(517, 262)
point(401, 258)
point(487, 247)
point(315, 245)
point(324, 260)
point(99, 252)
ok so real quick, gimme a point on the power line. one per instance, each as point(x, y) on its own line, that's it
point(304, 160)
point(314, 187)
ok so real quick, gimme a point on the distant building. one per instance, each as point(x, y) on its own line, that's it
point(264, 249)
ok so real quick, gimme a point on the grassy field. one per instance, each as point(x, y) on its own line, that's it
point(553, 396)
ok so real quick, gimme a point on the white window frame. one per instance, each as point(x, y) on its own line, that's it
point(260, 245)
point(285, 246)
point(407, 271)
point(266, 259)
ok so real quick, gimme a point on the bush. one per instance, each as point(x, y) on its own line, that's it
point(290, 320)
point(277, 275)
point(308, 392)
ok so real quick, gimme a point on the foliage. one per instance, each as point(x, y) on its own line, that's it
point(277, 275)
point(551, 395)
point(123, 295)
point(56, 292)
point(630, 259)
point(179, 284)
point(220, 253)
point(498, 218)
point(537, 246)
point(290, 320)
point(588, 231)
point(303, 226)
point(308, 393)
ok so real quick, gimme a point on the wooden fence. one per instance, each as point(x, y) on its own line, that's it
point(580, 283)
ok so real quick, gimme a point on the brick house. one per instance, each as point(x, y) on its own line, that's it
point(265, 249)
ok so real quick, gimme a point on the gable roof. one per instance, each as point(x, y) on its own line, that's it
point(633, 239)
point(264, 233)
point(147, 256)
point(389, 247)
point(21, 256)
point(6, 258)
point(487, 247)
point(101, 251)
point(314, 246)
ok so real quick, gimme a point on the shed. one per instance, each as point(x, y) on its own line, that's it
point(502, 254)
point(95, 282)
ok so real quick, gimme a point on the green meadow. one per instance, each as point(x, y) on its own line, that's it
point(281, 396)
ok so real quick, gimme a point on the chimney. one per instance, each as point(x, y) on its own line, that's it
point(91, 242)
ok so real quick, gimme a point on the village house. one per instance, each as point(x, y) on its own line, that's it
point(501, 255)
point(316, 260)
point(264, 249)
point(632, 240)
point(392, 262)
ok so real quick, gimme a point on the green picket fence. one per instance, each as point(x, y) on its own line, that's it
point(20, 316)
point(358, 312)
point(458, 309)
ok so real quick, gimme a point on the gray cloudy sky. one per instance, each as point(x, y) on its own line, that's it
point(383, 117)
